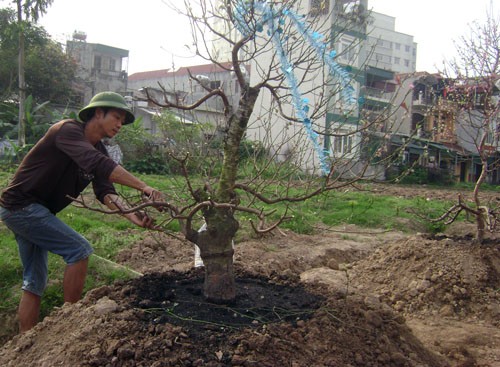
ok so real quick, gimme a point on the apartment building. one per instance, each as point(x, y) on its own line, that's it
point(390, 49)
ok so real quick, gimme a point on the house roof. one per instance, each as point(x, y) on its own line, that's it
point(195, 70)
point(204, 69)
point(145, 75)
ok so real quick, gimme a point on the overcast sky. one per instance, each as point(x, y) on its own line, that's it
point(156, 37)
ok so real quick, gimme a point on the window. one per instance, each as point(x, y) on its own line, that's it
point(407, 48)
point(347, 51)
point(397, 60)
point(97, 62)
point(407, 62)
point(397, 45)
point(112, 64)
point(215, 84)
point(342, 144)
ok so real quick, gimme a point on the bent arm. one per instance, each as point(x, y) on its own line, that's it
point(121, 176)
point(139, 218)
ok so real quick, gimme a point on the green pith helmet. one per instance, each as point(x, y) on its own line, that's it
point(107, 99)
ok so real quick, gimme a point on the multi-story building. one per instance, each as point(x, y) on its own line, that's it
point(369, 47)
point(389, 49)
point(100, 67)
point(448, 124)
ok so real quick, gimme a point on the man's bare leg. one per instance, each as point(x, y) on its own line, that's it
point(74, 280)
point(29, 310)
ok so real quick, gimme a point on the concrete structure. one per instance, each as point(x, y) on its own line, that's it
point(389, 49)
point(442, 123)
point(367, 43)
point(100, 67)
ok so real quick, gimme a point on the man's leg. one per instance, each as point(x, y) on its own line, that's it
point(29, 311)
point(74, 280)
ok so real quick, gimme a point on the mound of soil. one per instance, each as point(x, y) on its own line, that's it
point(341, 297)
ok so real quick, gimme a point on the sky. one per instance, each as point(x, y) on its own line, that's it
point(156, 36)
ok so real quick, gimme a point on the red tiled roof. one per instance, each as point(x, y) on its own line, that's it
point(195, 70)
point(205, 69)
point(153, 74)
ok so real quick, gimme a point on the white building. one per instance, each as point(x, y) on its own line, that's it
point(371, 49)
point(390, 50)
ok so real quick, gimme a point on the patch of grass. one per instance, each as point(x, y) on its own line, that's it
point(362, 209)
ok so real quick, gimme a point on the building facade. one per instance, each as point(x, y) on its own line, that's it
point(185, 86)
point(100, 67)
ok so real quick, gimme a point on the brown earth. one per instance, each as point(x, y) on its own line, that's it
point(341, 297)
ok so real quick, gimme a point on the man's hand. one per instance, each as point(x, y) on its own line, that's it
point(152, 195)
point(141, 219)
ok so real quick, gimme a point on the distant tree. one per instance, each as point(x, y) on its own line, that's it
point(8, 52)
point(48, 72)
point(473, 91)
point(29, 10)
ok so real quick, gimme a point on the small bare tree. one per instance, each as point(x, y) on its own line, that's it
point(473, 91)
point(294, 83)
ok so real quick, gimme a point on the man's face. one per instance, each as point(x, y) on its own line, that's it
point(112, 121)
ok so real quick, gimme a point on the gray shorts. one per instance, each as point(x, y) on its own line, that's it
point(37, 232)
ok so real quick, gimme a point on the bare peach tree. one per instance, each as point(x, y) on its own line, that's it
point(288, 85)
point(473, 93)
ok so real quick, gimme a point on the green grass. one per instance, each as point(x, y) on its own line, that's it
point(359, 208)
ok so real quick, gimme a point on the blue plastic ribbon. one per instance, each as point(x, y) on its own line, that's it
point(274, 19)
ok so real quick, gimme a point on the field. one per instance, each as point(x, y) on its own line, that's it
point(371, 291)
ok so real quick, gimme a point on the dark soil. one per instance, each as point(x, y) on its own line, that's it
point(163, 320)
point(177, 298)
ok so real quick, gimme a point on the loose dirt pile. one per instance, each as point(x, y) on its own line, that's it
point(341, 297)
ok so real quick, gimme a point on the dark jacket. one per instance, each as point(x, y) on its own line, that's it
point(59, 166)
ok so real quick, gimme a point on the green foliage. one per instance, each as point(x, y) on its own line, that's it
point(416, 175)
point(140, 153)
point(33, 9)
point(252, 150)
point(195, 144)
point(181, 135)
point(156, 163)
point(49, 71)
point(419, 175)
point(38, 119)
point(11, 271)
point(426, 211)
point(194, 141)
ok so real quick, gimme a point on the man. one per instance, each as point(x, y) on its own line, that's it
point(65, 160)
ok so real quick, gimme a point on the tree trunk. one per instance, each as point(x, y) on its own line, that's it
point(22, 83)
point(216, 251)
point(482, 216)
point(481, 224)
point(216, 242)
